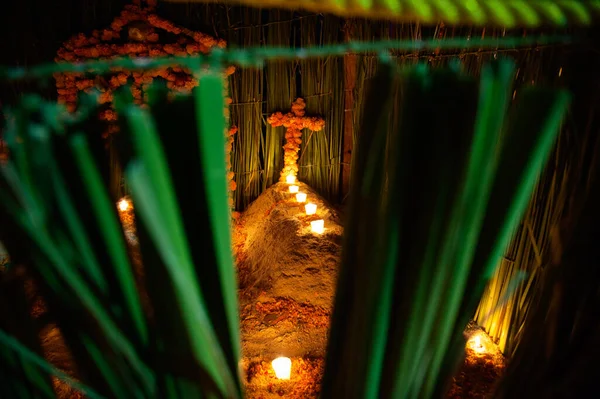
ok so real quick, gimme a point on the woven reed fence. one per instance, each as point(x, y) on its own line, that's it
point(257, 93)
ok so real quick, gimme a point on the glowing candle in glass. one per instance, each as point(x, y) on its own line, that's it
point(310, 208)
point(282, 367)
point(301, 197)
point(318, 226)
point(123, 205)
point(290, 179)
point(294, 189)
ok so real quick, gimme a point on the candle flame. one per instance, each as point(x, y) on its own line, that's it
point(310, 208)
point(480, 343)
point(282, 367)
point(301, 197)
point(123, 205)
point(318, 226)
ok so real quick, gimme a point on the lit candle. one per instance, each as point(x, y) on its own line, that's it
point(301, 197)
point(477, 345)
point(290, 179)
point(123, 205)
point(318, 226)
point(282, 367)
point(294, 189)
point(478, 342)
point(310, 208)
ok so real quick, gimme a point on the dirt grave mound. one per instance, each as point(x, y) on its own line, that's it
point(287, 274)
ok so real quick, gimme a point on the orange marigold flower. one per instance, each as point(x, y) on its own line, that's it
point(84, 84)
point(172, 48)
point(192, 48)
point(105, 97)
point(117, 25)
point(230, 70)
point(137, 93)
point(154, 52)
point(67, 91)
point(171, 77)
point(79, 40)
point(108, 115)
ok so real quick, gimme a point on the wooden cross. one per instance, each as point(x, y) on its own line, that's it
point(294, 121)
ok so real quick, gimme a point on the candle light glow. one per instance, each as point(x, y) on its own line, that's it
point(123, 205)
point(480, 343)
point(282, 367)
point(301, 197)
point(310, 208)
point(318, 226)
point(294, 189)
point(290, 179)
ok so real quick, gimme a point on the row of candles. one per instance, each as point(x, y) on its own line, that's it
point(317, 226)
point(283, 365)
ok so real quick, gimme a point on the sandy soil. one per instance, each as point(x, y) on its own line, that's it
point(287, 274)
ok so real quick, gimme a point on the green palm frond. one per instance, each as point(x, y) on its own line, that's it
point(508, 13)
point(416, 255)
point(55, 195)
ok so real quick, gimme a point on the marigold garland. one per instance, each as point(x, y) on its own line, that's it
point(229, 133)
point(143, 28)
point(294, 122)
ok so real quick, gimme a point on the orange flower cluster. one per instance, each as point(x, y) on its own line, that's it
point(289, 310)
point(142, 28)
point(139, 27)
point(294, 122)
point(229, 133)
point(228, 146)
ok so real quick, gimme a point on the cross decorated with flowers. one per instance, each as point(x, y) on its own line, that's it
point(294, 121)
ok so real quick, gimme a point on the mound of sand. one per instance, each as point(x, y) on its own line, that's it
point(287, 274)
